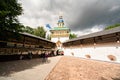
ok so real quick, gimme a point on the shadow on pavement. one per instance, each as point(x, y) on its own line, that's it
point(7, 68)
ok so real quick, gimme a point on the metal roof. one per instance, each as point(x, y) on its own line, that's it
point(104, 32)
point(60, 28)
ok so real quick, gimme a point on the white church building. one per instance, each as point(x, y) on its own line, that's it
point(60, 33)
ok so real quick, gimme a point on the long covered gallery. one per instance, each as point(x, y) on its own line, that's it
point(12, 45)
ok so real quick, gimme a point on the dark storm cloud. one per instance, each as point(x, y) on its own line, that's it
point(78, 15)
point(100, 12)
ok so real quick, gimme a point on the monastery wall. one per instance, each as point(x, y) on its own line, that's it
point(105, 52)
point(62, 39)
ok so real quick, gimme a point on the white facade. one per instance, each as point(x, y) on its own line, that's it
point(97, 52)
point(62, 39)
point(60, 33)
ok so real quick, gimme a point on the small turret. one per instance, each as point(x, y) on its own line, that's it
point(60, 22)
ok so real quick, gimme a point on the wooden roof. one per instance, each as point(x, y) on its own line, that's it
point(30, 35)
point(96, 34)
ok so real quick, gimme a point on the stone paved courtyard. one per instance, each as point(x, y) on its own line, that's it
point(71, 68)
point(59, 68)
point(33, 69)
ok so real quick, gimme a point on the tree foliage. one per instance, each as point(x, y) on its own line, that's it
point(9, 11)
point(112, 26)
point(28, 29)
point(72, 36)
point(40, 32)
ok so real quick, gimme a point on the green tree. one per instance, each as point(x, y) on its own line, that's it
point(28, 30)
point(40, 32)
point(9, 11)
point(72, 36)
point(112, 26)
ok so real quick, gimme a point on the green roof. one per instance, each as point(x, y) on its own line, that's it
point(60, 28)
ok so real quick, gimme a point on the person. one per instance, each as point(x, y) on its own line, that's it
point(46, 57)
point(30, 55)
point(57, 52)
point(21, 56)
point(43, 57)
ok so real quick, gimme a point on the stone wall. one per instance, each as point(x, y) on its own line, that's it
point(106, 51)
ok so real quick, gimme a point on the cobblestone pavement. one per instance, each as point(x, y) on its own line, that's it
point(71, 68)
point(33, 69)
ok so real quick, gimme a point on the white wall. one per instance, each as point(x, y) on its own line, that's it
point(62, 39)
point(99, 52)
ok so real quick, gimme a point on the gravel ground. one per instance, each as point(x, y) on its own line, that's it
point(71, 68)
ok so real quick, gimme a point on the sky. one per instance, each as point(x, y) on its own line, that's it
point(81, 16)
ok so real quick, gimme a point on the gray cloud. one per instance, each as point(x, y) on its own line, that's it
point(78, 15)
point(97, 13)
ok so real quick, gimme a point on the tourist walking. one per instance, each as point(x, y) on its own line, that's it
point(46, 57)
